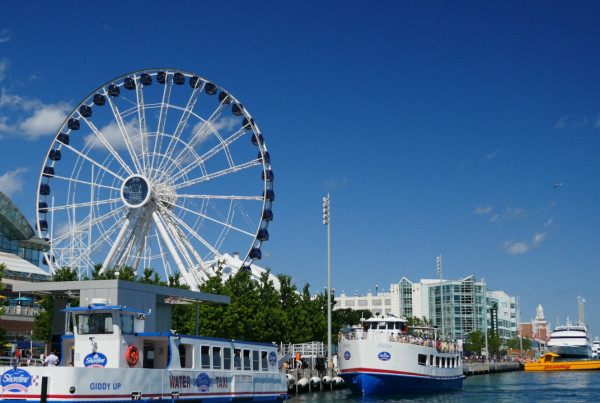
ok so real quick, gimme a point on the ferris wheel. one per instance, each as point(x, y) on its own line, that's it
point(160, 169)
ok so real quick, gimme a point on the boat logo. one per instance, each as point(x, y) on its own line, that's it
point(15, 380)
point(384, 356)
point(95, 360)
point(202, 382)
point(347, 355)
point(272, 358)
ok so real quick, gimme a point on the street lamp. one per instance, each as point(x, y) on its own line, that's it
point(439, 270)
point(326, 218)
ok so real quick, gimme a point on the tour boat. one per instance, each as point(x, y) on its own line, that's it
point(386, 356)
point(547, 363)
point(111, 357)
point(570, 341)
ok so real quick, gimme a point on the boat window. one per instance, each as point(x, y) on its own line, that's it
point(246, 357)
point(382, 325)
point(437, 361)
point(431, 360)
point(237, 359)
point(422, 358)
point(186, 355)
point(126, 323)
point(264, 360)
point(95, 323)
point(255, 362)
point(216, 357)
point(205, 356)
point(227, 358)
point(443, 362)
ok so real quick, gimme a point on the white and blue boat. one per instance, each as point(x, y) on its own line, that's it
point(116, 354)
point(385, 356)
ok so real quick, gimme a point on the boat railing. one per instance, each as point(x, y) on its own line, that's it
point(407, 338)
point(21, 362)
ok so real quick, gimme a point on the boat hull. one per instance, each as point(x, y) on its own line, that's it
point(571, 351)
point(563, 366)
point(371, 383)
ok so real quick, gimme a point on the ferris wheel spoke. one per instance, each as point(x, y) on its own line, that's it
point(141, 113)
point(162, 121)
point(96, 185)
point(92, 161)
point(218, 174)
point(197, 137)
point(193, 233)
point(127, 139)
point(84, 204)
point(217, 197)
point(221, 223)
point(222, 146)
point(166, 237)
point(181, 125)
point(109, 146)
point(117, 241)
point(85, 225)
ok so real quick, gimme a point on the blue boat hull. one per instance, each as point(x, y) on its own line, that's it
point(384, 384)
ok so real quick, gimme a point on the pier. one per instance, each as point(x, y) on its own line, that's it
point(481, 368)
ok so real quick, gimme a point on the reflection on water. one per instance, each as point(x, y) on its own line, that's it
point(506, 387)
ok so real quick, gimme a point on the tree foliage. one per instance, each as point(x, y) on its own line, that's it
point(515, 343)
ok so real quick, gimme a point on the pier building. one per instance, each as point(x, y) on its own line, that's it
point(20, 254)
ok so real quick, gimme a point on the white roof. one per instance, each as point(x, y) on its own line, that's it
point(15, 263)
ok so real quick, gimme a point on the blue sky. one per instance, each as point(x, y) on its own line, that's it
point(437, 127)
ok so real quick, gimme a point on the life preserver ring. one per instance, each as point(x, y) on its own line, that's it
point(132, 355)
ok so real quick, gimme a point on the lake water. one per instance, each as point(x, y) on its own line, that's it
point(504, 387)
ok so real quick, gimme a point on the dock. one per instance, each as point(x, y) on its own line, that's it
point(491, 367)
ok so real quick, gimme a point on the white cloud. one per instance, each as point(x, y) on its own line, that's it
point(491, 156)
point(4, 35)
point(518, 248)
point(483, 210)
point(45, 120)
point(538, 239)
point(515, 248)
point(571, 122)
point(32, 118)
point(4, 64)
point(112, 134)
point(335, 183)
point(495, 218)
point(12, 182)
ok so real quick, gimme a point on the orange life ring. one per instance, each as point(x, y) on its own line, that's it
point(132, 355)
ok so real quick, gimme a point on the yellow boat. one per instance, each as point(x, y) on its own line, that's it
point(547, 363)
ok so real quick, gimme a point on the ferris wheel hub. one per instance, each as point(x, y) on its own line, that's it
point(135, 191)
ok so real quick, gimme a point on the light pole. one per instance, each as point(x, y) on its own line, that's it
point(485, 326)
point(439, 270)
point(326, 219)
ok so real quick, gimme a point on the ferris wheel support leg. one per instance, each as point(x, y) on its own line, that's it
point(115, 245)
point(167, 240)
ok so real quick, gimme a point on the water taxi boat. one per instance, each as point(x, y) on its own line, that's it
point(116, 354)
point(547, 363)
point(385, 356)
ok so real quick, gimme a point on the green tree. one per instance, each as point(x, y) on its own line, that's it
point(494, 342)
point(3, 335)
point(475, 342)
point(515, 343)
point(42, 322)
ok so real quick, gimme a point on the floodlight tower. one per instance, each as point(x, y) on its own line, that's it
point(326, 219)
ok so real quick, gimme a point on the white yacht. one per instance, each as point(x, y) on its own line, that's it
point(571, 341)
point(595, 348)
